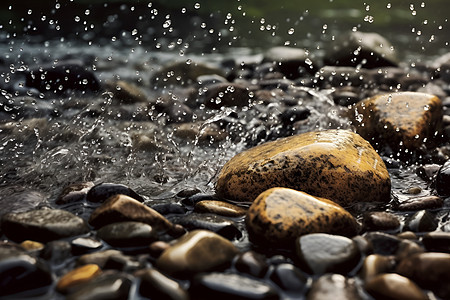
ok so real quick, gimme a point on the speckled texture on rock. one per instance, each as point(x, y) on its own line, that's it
point(279, 215)
point(400, 119)
point(335, 164)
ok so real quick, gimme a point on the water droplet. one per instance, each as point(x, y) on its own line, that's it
point(291, 31)
point(197, 5)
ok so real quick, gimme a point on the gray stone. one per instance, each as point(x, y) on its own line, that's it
point(127, 234)
point(332, 287)
point(156, 285)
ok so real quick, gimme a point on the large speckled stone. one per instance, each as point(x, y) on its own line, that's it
point(195, 252)
point(42, 225)
point(402, 120)
point(280, 215)
point(335, 164)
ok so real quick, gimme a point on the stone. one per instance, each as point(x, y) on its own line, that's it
point(295, 114)
point(99, 258)
point(421, 221)
point(437, 241)
point(156, 285)
point(31, 245)
point(20, 272)
point(183, 73)
point(227, 94)
point(442, 180)
point(407, 248)
point(429, 270)
point(340, 76)
point(15, 199)
point(280, 215)
point(251, 263)
point(321, 253)
point(121, 208)
point(57, 252)
point(401, 120)
point(335, 164)
point(127, 234)
point(292, 62)
point(428, 172)
point(42, 225)
point(394, 287)
point(220, 208)
point(230, 286)
point(374, 221)
point(74, 193)
point(289, 278)
point(195, 252)
point(368, 49)
point(210, 133)
point(383, 243)
point(217, 224)
point(107, 285)
point(332, 287)
point(125, 92)
point(376, 264)
point(83, 245)
point(79, 275)
point(421, 203)
point(157, 248)
point(102, 191)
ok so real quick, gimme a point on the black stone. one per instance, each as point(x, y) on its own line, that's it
point(292, 115)
point(289, 278)
point(442, 181)
point(127, 234)
point(156, 285)
point(252, 263)
point(57, 252)
point(102, 191)
point(383, 243)
point(421, 221)
point(437, 241)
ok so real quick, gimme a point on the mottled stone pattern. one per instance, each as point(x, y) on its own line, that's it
point(405, 119)
point(280, 215)
point(334, 164)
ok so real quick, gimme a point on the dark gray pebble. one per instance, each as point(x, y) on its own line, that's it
point(437, 241)
point(56, 252)
point(442, 181)
point(421, 221)
point(332, 287)
point(383, 243)
point(127, 234)
point(156, 285)
point(252, 263)
point(289, 278)
point(102, 191)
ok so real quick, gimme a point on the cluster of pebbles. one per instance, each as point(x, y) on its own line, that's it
point(315, 203)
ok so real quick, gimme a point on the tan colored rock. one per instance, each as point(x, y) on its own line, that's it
point(219, 208)
point(31, 245)
point(335, 164)
point(280, 215)
point(126, 92)
point(77, 276)
point(195, 252)
point(394, 287)
point(402, 120)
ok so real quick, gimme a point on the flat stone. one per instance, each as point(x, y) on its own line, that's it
point(332, 287)
point(31, 245)
point(102, 191)
point(156, 285)
point(289, 278)
point(394, 286)
point(401, 120)
point(429, 270)
point(421, 203)
point(252, 263)
point(227, 94)
point(231, 286)
point(42, 225)
point(195, 252)
point(83, 245)
point(321, 253)
point(383, 243)
point(74, 193)
point(442, 180)
point(77, 276)
point(376, 264)
point(406, 248)
point(421, 221)
point(292, 62)
point(380, 221)
point(127, 234)
point(280, 215)
point(437, 241)
point(120, 208)
point(220, 208)
point(335, 164)
point(99, 258)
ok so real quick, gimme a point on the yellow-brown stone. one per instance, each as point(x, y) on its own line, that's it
point(31, 245)
point(402, 120)
point(220, 208)
point(394, 286)
point(280, 215)
point(77, 276)
point(335, 164)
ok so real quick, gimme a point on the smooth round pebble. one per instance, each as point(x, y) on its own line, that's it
point(394, 287)
point(127, 234)
point(332, 287)
point(374, 221)
point(219, 208)
point(77, 276)
point(251, 263)
point(156, 285)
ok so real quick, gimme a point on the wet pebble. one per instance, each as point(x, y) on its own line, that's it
point(374, 221)
point(252, 263)
point(14, 199)
point(230, 286)
point(32, 245)
point(227, 94)
point(407, 248)
point(42, 225)
point(321, 253)
point(333, 286)
point(280, 215)
point(102, 191)
point(394, 287)
point(127, 234)
point(292, 62)
point(57, 252)
point(376, 264)
point(428, 171)
point(83, 245)
point(383, 243)
point(125, 92)
point(442, 181)
point(437, 241)
point(99, 258)
point(74, 193)
point(77, 276)
point(195, 252)
point(421, 203)
point(421, 221)
point(219, 208)
point(156, 285)
point(289, 278)
point(318, 163)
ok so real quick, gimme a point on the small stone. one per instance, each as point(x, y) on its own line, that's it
point(279, 215)
point(155, 285)
point(125, 92)
point(339, 76)
point(83, 245)
point(429, 270)
point(320, 253)
point(421, 221)
point(406, 248)
point(295, 114)
point(31, 245)
point(127, 234)
point(77, 276)
point(227, 94)
point(107, 285)
point(427, 172)
point(102, 191)
point(408, 235)
point(376, 264)
point(442, 181)
point(230, 286)
point(421, 203)
point(219, 208)
point(394, 287)
point(332, 287)
point(157, 248)
point(402, 120)
point(205, 134)
point(195, 252)
point(57, 252)
point(122, 208)
point(383, 243)
point(374, 221)
point(42, 225)
point(345, 98)
point(289, 278)
point(99, 258)
point(252, 263)
point(437, 241)
point(292, 62)
point(328, 164)
point(217, 224)
point(74, 193)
